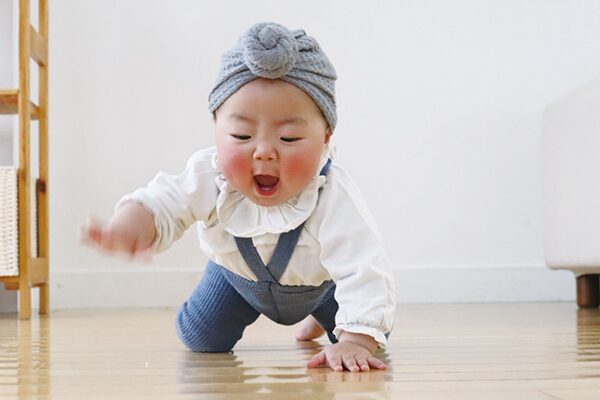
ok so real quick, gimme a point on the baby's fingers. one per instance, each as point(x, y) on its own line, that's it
point(376, 363)
point(350, 363)
point(95, 234)
point(363, 364)
point(90, 233)
point(317, 360)
point(335, 363)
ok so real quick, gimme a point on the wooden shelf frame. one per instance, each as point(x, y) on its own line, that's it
point(9, 104)
point(33, 270)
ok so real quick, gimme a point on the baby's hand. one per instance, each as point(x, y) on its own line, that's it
point(348, 354)
point(130, 231)
point(113, 239)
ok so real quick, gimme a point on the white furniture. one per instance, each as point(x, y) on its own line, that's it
point(571, 173)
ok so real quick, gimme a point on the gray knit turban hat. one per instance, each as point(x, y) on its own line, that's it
point(269, 50)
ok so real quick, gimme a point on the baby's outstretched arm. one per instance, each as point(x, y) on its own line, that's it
point(354, 352)
point(130, 230)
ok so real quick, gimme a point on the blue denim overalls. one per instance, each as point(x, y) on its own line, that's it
point(224, 303)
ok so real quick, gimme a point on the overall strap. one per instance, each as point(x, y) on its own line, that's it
point(325, 169)
point(253, 260)
point(282, 254)
point(278, 263)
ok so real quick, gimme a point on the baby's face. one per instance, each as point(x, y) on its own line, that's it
point(270, 136)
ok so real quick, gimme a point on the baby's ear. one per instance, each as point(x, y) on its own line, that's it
point(327, 135)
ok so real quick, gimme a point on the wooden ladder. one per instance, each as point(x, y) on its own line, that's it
point(33, 270)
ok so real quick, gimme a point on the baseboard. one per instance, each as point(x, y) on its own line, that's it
point(418, 284)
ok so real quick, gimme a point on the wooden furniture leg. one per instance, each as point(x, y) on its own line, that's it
point(24, 299)
point(588, 291)
point(44, 298)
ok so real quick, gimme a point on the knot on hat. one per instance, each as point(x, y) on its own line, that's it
point(269, 50)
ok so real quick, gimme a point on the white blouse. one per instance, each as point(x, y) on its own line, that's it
point(339, 241)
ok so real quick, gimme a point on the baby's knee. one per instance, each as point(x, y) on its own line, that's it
point(197, 336)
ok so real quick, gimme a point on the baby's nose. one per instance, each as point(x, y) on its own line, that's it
point(265, 152)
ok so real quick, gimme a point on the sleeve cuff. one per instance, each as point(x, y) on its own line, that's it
point(375, 333)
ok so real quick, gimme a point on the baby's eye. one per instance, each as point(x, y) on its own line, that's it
point(290, 139)
point(240, 137)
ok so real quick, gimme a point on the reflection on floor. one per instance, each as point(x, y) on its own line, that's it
point(493, 351)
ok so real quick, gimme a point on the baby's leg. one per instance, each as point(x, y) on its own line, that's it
point(213, 319)
point(310, 329)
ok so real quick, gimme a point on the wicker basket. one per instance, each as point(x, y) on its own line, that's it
point(9, 249)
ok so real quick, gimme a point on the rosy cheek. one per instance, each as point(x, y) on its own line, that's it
point(234, 166)
point(300, 168)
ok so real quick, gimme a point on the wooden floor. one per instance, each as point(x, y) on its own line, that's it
point(512, 351)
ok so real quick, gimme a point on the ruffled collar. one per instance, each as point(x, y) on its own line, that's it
point(240, 217)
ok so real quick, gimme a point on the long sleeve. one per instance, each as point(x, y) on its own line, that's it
point(178, 201)
point(353, 254)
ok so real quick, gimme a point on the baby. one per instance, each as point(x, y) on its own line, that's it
point(287, 233)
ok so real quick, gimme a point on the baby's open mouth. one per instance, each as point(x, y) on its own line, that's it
point(266, 184)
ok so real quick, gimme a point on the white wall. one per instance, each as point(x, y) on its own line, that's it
point(440, 107)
